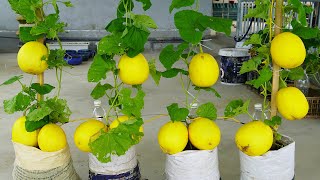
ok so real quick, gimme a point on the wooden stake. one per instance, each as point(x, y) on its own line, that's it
point(40, 76)
point(276, 68)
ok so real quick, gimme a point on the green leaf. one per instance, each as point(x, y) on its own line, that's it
point(34, 125)
point(131, 106)
point(251, 65)
point(236, 107)
point(56, 59)
point(265, 76)
point(123, 5)
point(296, 73)
point(143, 22)
point(278, 136)
point(207, 110)
point(68, 3)
point(111, 44)
point(146, 4)
point(260, 11)
point(209, 89)
point(42, 89)
point(176, 4)
point(117, 140)
point(170, 73)
point(12, 80)
point(50, 26)
point(100, 90)
point(306, 32)
point(188, 25)
point(215, 23)
point(116, 25)
point(26, 36)
point(169, 55)
point(255, 39)
point(61, 112)
point(275, 120)
point(156, 75)
point(18, 103)
point(99, 68)
point(300, 10)
point(135, 39)
point(176, 113)
point(26, 8)
point(39, 113)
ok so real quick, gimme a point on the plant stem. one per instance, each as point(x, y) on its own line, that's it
point(230, 119)
point(184, 89)
point(200, 47)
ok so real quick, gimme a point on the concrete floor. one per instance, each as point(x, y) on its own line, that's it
point(76, 90)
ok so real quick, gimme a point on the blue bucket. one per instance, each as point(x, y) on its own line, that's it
point(230, 65)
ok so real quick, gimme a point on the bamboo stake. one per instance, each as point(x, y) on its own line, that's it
point(40, 76)
point(276, 68)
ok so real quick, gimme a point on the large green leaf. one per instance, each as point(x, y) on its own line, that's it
point(100, 90)
point(251, 65)
point(135, 38)
point(34, 125)
point(111, 44)
point(176, 113)
point(61, 111)
point(116, 25)
point(26, 36)
point(143, 22)
point(187, 23)
point(176, 4)
point(131, 106)
point(39, 113)
point(50, 26)
point(299, 8)
point(261, 10)
point(169, 55)
point(215, 23)
point(42, 89)
point(207, 110)
point(117, 140)
point(99, 68)
point(26, 8)
point(18, 103)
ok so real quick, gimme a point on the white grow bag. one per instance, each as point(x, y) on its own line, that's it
point(125, 166)
point(193, 164)
point(274, 165)
point(32, 163)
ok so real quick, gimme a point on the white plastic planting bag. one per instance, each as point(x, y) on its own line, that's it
point(274, 165)
point(118, 164)
point(32, 163)
point(193, 164)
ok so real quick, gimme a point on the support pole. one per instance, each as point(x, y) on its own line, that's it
point(276, 68)
point(40, 76)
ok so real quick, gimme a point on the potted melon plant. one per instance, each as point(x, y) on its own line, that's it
point(40, 144)
point(119, 69)
point(278, 54)
point(190, 138)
